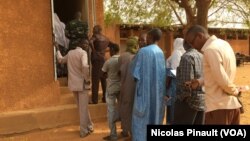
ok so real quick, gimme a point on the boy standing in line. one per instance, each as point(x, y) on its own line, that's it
point(111, 69)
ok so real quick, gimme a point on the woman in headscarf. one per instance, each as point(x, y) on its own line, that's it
point(127, 85)
point(172, 63)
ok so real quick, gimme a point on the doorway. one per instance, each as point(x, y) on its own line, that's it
point(66, 9)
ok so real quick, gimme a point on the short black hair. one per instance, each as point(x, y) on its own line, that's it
point(98, 27)
point(77, 15)
point(156, 34)
point(114, 47)
point(196, 29)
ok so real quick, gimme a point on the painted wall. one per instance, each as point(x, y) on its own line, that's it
point(240, 46)
point(26, 56)
point(96, 14)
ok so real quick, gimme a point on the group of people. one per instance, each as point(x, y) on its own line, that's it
point(81, 53)
point(135, 92)
point(196, 82)
point(203, 88)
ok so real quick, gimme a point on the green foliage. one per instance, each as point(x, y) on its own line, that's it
point(155, 12)
point(165, 13)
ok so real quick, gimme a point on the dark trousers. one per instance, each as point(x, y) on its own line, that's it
point(183, 114)
point(170, 114)
point(223, 117)
point(97, 76)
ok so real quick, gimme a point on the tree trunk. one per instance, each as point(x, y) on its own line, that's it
point(202, 12)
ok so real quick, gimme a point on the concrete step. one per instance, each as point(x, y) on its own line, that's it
point(63, 81)
point(45, 118)
point(65, 90)
point(67, 99)
point(67, 96)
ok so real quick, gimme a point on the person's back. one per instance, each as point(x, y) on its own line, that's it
point(228, 61)
point(99, 44)
point(219, 66)
point(127, 85)
point(76, 30)
point(124, 61)
point(111, 67)
point(149, 72)
point(75, 75)
point(78, 78)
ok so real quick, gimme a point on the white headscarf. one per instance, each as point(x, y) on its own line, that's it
point(174, 60)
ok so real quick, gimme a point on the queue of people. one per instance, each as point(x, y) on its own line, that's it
point(138, 84)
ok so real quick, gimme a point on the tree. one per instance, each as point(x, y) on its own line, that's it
point(167, 13)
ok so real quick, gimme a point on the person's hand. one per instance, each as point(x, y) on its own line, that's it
point(166, 98)
point(56, 46)
point(104, 75)
point(87, 82)
point(193, 84)
point(241, 89)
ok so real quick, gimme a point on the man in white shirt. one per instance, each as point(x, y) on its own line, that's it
point(219, 65)
point(78, 77)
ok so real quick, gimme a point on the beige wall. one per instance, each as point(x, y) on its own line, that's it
point(26, 55)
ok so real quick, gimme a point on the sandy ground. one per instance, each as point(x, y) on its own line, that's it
point(243, 78)
point(71, 133)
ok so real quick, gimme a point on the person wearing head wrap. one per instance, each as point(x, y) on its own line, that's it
point(172, 63)
point(127, 85)
point(132, 44)
point(174, 60)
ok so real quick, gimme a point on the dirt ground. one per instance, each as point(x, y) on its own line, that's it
point(243, 78)
point(71, 133)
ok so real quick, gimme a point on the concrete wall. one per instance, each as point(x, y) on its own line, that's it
point(26, 56)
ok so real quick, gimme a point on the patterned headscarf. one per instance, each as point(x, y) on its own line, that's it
point(132, 44)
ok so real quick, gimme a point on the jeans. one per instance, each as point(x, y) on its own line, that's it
point(111, 100)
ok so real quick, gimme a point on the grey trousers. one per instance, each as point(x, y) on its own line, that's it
point(82, 100)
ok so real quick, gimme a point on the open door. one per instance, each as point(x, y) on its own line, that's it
point(64, 11)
